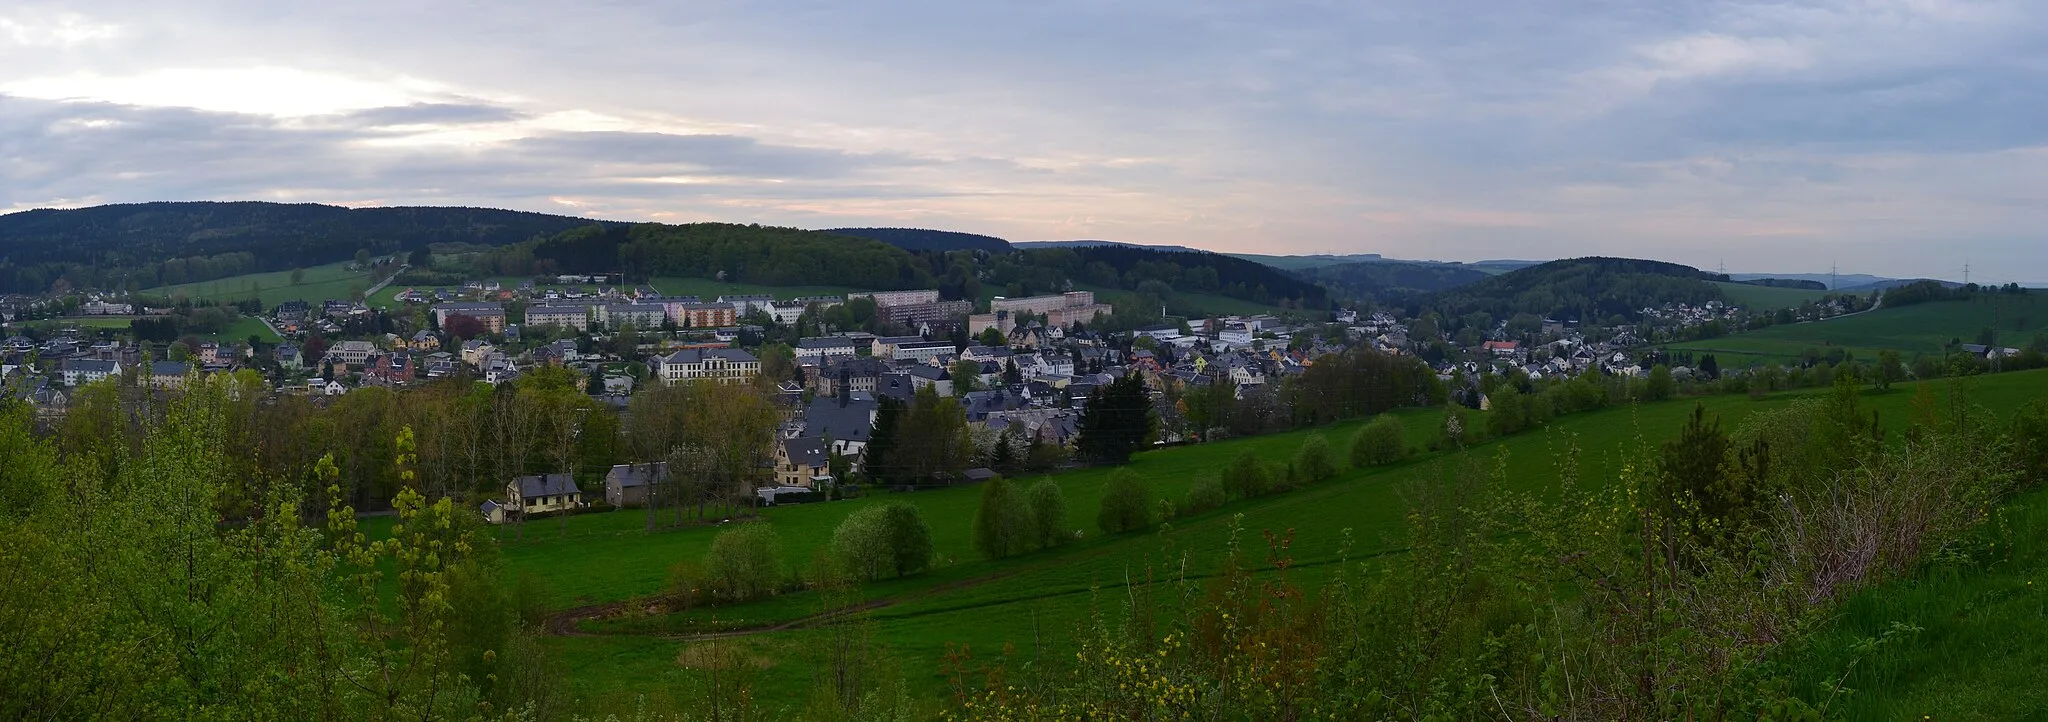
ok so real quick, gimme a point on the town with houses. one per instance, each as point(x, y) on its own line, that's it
point(1033, 361)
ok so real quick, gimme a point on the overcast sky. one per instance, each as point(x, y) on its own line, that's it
point(1896, 137)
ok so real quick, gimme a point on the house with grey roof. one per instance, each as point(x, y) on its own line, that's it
point(542, 493)
point(633, 484)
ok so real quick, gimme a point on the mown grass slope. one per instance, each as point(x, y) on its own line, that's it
point(320, 283)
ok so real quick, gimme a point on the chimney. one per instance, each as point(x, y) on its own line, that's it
point(845, 385)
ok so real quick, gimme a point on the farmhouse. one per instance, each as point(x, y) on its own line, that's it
point(632, 484)
point(542, 494)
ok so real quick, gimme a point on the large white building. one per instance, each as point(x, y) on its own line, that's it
point(885, 299)
point(576, 317)
point(1041, 305)
point(724, 365)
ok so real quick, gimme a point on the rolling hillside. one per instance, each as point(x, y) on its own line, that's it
point(1034, 602)
point(1912, 330)
point(1581, 289)
point(135, 241)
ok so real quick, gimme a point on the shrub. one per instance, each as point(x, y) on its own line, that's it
point(1048, 512)
point(1126, 503)
point(1207, 494)
point(860, 546)
point(1002, 524)
point(2030, 442)
point(1384, 441)
point(1246, 477)
point(744, 563)
point(910, 538)
point(1314, 463)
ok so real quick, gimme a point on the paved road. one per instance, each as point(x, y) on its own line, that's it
point(386, 282)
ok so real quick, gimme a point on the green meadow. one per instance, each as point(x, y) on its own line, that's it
point(1914, 330)
point(320, 283)
point(1033, 605)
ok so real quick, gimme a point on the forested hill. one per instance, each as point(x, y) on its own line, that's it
point(739, 253)
point(150, 244)
point(1582, 289)
point(921, 239)
point(1182, 271)
point(1377, 278)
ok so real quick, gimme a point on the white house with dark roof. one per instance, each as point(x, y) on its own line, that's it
point(78, 372)
point(542, 493)
point(829, 347)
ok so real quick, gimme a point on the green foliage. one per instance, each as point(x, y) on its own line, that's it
point(1126, 504)
point(1246, 477)
point(1314, 462)
point(1206, 494)
point(1890, 369)
point(885, 540)
point(1384, 441)
point(744, 563)
point(1117, 421)
point(1361, 382)
point(1048, 513)
point(2030, 441)
point(1660, 386)
point(1003, 525)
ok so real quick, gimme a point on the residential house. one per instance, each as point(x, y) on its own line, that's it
point(787, 313)
point(718, 364)
point(424, 341)
point(168, 374)
point(1502, 349)
point(633, 484)
point(541, 494)
point(389, 370)
point(475, 351)
point(745, 304)
point(854, 373)
point(352, 353)
point(637, 315)
point(17, 344)
point(78, 372)
point(287, 355)
point(291, 312)
point(930, 377)
point(575, 317)
point(847, 419)
point(802, 461)
point(1042, 305)
point(921, 350)
point(492, 315)
point(707, 315)
point(828, 347)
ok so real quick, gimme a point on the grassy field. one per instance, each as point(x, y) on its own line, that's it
point(1766, 297)
point(1978, 651)
point(1911, 330)
point(668, 286)
point(1034, 602)
point(320, 283)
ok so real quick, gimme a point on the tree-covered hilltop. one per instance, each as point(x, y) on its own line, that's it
point(1582, 289)
point(924, 239)
point(143, 245)
point(1152, 272)
point(1373, 278)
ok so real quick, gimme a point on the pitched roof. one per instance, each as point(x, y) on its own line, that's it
point(545, 485)
point(629, 476)
point(850, 420)
point(805, 450)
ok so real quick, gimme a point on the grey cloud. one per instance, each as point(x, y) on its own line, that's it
point(434, 114)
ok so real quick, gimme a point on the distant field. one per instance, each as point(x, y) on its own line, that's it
point(1040, 598)
point(321, 283)
point(1911, 330)
point(243, 328)
point(1767, 297)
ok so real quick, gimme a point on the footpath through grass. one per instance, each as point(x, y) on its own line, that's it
point(1037, 603)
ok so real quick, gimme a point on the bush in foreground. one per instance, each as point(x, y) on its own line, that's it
point(1126, 504)
point(1384, 441)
